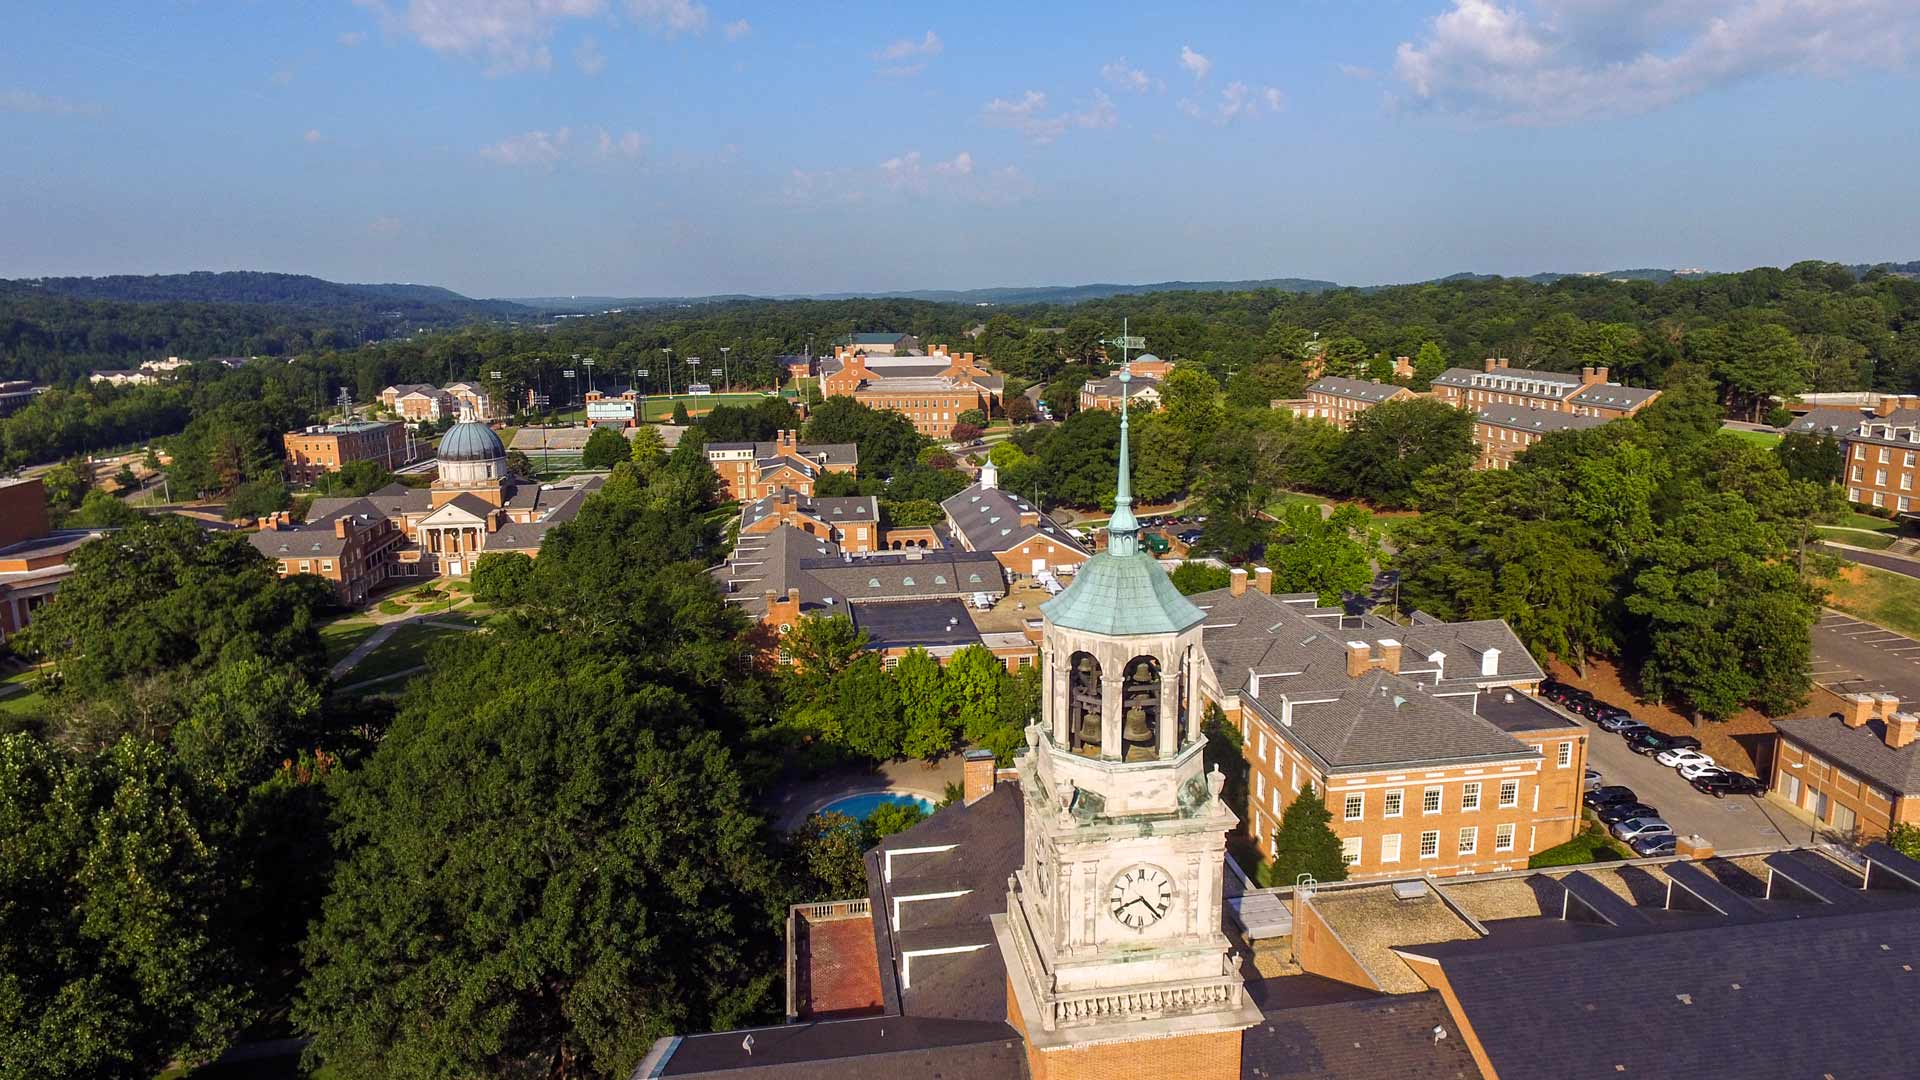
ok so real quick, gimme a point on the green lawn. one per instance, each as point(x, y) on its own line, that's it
point(1878, 541)
point(1768, 439)
point(345, 635)
point(1594, 845)
point(406, 649)
point(1891, 600)
point(1287, 497)
point(1853, 519)
point(19, 697)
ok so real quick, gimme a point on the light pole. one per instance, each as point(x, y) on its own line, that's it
point(588, 364)
point(669, 353)
point(725, 382)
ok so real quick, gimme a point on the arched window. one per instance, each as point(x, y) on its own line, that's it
point(1083, 704)
point(1140, 709)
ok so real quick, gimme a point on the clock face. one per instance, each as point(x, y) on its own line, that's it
point(1141, 896)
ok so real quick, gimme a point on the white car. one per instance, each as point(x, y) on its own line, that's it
point(1633, 827)
point(1693, 770)
point(1678, 757)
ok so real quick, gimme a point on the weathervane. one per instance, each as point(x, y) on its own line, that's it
point(1126, 343)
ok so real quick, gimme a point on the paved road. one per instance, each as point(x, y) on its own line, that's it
point(1851, 656)
point(1735, 823)
point(1898, 565)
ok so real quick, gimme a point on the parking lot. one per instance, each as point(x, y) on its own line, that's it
point(1735, 823)
point(1850, 656)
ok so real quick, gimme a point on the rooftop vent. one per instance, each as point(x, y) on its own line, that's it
point(1409, 890)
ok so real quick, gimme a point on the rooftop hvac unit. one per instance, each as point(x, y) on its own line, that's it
point(1409, 890)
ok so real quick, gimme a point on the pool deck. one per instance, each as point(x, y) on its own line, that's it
point(789, 808)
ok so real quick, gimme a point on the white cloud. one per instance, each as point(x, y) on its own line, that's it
point(672, 16)
point(909, 57)
point(909, 177)
point(313, 136)
point(26, 101)
point(538, 148)
point(1121, 74)
point(1194, 62)
point(737, 29)
point(630, 144)
point(351, 38)
point(1237, 101)
point(384, 227)
point(1557, 61)
point(510, 35)
point(589, 58)
point(1029, 116)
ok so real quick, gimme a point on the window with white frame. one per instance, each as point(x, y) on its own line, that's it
point(1430, 801)
point(1356, 805)
point(1390, 848)
point(1509, 793)
point(1470, 796)
point(1566, 754)
point(1393, 802)
point(1259, 787)
point(1469, 839)
point(1350, 850)
point(1503, 837)
point(1430, 844)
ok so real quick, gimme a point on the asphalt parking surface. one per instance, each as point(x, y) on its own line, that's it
point(1734, 823)
point(1893, 563)
point(1851, 656)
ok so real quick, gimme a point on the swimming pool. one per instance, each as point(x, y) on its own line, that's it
point(858, 807)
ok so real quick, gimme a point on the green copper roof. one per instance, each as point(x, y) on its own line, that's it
point(1119, 595)
point(1122, 590)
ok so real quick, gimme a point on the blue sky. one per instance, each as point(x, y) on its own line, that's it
point(648, 147)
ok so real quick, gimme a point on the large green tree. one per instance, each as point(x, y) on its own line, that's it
point(1305, 842)
point(1390, 446)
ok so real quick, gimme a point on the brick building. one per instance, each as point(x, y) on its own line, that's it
point(931, 389)
point(1585, 394)
point(1338, 401)
point(1424, 740)
point(351, 545)
point(325, 448)
point(1503, 432)
point(884, 343)
point(1880, 443)
point(1857, 771)
point(415, 402)
point(755, 470)
point(33, 555)
point(1142, 393)
point(985, 519)
point(852, 522)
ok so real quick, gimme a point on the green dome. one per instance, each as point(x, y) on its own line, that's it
point(1118, 595)
point(471, 440)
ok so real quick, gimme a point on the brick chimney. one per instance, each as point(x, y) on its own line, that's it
point(1490, 363)
point(1263, 579)
point(1501, 363)
point(1886, 406)
point(1237, 581)
point(1889, 703)
point(977, 775)
point(1901, 729)
point(1390, 655)
point(1359, 659)
point(1859, 708)
point(340, 526)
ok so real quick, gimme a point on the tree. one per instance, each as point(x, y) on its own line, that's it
point(1079, 462)
point(257, 499)
point(520, 465)
point(1324, 555)
point(605, 448)
point(887, 440)
point(1811, 456)
point(867, 704)
point(1753, 363)
point(928, 714)
point(892, 817)
point(972, 417)
point(647, 448)
point(1192, 402)
point(1234, 480)
point(1162, 454)
point(1305, 843)
point(680, 418)
point(964, 432)
point(825, 856)
point(116, 904)
point(1429, 363)
point(501, 577)
point(914, 513)
point(974, 683)
point(165, 593)
point(1392, 444)
point(1019, 409)
point(356, 478)
point(245, 717)
point(550, 861)
point(1193, 577)
point(99, 510)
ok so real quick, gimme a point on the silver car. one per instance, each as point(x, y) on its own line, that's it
point(1637, 827)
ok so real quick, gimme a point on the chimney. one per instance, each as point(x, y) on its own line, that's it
point(340, 526)
point(1238, 578)
point(1600, 374)
point(1889, 703)
point(1263, 579)
point(1693, 846)
point(977, 775)
point(1359, 659)
point(1491, 363)
point(1886, 406)
point(1859, 709)
point(1490, 662)
point(1901, 729)
point(1501, 363)
point(1390, 655)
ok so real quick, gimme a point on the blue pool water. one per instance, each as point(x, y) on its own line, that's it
point(858, 807)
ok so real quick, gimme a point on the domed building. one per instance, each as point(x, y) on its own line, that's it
point(471, 455)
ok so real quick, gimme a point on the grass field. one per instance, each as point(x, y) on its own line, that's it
point(1891, 600)
point(18, 696)
point(405, 650)
point(1768, 439)
point(1287, 497)
point(1594, 845)
point(1853, 519)
point(660, 406)
point(1878, 541)
point(345, 635)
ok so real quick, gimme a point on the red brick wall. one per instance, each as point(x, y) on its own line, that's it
point(23, 512)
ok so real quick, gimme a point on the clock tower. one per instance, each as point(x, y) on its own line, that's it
point(1114, 954)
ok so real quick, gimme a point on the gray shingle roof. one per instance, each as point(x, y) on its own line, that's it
point(925, 624)
point(1357, 389)
point(988, 519)
point(1382, 719)
point(1613, 396)
point(1541, 421)
point(864, 509)
point(1358, 1040)
point(1861, 750)
point(787, 559)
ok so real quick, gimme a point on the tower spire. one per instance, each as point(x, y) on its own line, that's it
point(1123, 532)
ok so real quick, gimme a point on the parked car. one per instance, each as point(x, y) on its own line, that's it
point(1646, 743)
point(1607, 796)
point(1640, 826)
point(1660, 742)
point(1619, 812)
point(1190, 537)
point(1553, 689)
point(1593, 778)
point(1654, 845)
point(1601, 712)
point(1704, 766)
point(1723, 783)
point(1629, 731)
point(1680, 755)
point(1616, 721)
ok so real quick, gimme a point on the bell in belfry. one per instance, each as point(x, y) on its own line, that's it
point(1137, 730)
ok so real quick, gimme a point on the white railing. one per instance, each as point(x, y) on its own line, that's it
point(802, 914)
